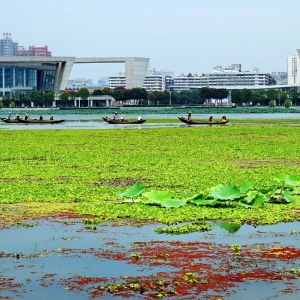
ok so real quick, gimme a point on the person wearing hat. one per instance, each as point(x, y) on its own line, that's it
point(26, 116)
point(210, 118)
point(223, 118)
point(122, 118)
point(140, 118)
point(9, 115)
point(115, 116)
point(189, 115)
point(52, 118)
point(17, 117)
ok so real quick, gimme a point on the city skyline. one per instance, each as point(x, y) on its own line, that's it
point(194, 37)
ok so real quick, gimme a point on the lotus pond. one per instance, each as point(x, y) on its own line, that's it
point(71, 230)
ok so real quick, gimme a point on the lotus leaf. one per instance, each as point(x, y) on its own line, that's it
point(255, 199)
point(157, 196)
point(246, 186)
point(289, 180)
point(226, 192)
point(133, 191)
point(287, 196)
point(173, 203)
point(204, 202)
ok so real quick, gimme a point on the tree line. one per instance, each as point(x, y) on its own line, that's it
point(200, 96)
point(270, 97)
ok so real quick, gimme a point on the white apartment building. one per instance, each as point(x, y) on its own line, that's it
point(293, 69)
point(220, 79)
point(151, 82)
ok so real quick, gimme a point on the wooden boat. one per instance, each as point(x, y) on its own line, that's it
point(112, 121)
point(37, 121)
point(198, 122)
point(12, 120)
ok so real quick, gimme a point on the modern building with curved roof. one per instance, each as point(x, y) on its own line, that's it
point(50, 73)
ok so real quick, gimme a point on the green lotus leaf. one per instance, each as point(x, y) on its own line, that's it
point(195, 197)
point(204, 202)
point(250, 196)
point(231, 228)
point(290, 180)
point(296, 191)
point(293, 180)
point(173, 202)
point(280, 177)
point(226, 192)
point(246, 186)
point(253, 200)
point(287, 196)
point(157, 196)
point(133, 191)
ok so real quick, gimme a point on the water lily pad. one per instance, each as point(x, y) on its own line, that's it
point(204, 202)
point(173, 202)
point(226, 192)
point(133, 191)
point(157, 196)
point(246, 186)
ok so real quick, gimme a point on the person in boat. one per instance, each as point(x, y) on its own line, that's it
point(122, 118)
point(210, 118)
point(189, 115)
point(41, 118)
point(26, 116)
point(9, 115)
point(140, 118)
point(17, 117)
point(52, 118)
point(115, 117)
point(223, 118)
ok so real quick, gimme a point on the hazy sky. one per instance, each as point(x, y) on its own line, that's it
point(180, 35)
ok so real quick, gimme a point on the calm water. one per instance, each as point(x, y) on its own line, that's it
point(94, 121)
point(43, 265)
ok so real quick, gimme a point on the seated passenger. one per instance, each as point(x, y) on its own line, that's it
point(210, 119)
point(122, 118)
point(52, 118)
point(140, 118)
point(41, 118)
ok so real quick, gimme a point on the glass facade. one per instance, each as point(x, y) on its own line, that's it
point(20, 79)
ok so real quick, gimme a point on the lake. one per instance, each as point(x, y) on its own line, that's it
point(94, 121)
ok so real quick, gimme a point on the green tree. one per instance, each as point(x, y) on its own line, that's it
point(294, 96)
point(272, 104)
point(49, 98)
point(205, 93)
point(1, 104)
point(287, 103)
point(119, 94)
point(38, 98)
point(258, 97)
point(272, 94)
point(176, 98)
point(6, 100)
point(282, 96)
point(236, 96)
point(64, 98)
point(12, 104)
point(83, 93)
point(246, 96)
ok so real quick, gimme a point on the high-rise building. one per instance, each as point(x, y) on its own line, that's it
point(10, 48)
point(34, 51)
point(7, 46)
point(293, 69)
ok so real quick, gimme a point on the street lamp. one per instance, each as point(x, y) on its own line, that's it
point(170, 97)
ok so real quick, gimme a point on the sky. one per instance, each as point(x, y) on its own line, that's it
point(185, 36)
